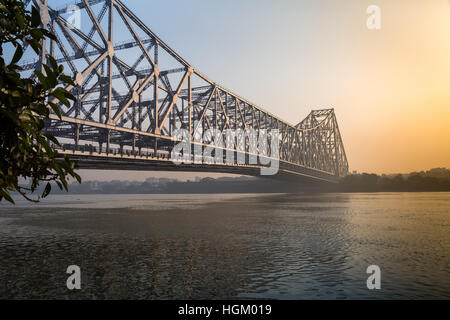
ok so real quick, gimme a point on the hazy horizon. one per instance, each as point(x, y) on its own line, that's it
point(140, 176)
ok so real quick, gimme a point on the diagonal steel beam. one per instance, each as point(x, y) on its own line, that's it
point(80, 76)
point(175, 97)
point(135, 36)
point(95, 22)
point(93, 29)
point(134, 96)
point(205, 109)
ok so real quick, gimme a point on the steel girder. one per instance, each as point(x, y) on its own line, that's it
point(134, 93)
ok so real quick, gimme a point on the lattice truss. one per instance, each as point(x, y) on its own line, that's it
point(133, 91)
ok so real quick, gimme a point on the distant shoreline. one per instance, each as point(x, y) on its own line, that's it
point(435, 180)
point(249, 193)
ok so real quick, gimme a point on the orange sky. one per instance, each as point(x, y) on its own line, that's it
point(402, 82)
point(390, 87)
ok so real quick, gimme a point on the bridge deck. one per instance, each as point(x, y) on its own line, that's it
point(96, 161)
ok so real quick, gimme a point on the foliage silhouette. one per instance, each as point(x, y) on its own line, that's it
point(26, 156)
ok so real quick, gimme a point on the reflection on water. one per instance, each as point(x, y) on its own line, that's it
point(228, 246)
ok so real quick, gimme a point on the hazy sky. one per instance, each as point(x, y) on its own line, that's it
point(390, 87)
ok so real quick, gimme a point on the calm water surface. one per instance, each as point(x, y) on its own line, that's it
point(227, 246)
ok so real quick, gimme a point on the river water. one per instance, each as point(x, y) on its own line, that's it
point(277, 246)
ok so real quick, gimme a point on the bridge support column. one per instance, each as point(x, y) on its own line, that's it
point(155, 93)
point(77, 135)
point(140, 113)
point(45, 18)
point(110, 66)
point(108, 140)
point(190, 117)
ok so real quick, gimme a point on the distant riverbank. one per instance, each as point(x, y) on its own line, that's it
point(435, 180)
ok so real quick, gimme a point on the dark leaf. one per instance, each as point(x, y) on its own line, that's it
point(52, 139)
point(56, 109)
point(42, 79)
point(35, 17)
point(51, 76)
point(66, 79)
point(5, 194)
point(60, 94)
point(53, 62)
point(17, 55)
point(48, 189)
point(77, 177)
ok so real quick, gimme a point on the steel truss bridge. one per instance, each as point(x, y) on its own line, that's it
point(133, 91)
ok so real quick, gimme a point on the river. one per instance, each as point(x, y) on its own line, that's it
point(276, 246)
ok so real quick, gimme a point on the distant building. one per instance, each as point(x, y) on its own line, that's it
point(164, 180)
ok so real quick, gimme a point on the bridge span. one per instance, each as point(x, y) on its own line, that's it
point(135, 94)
